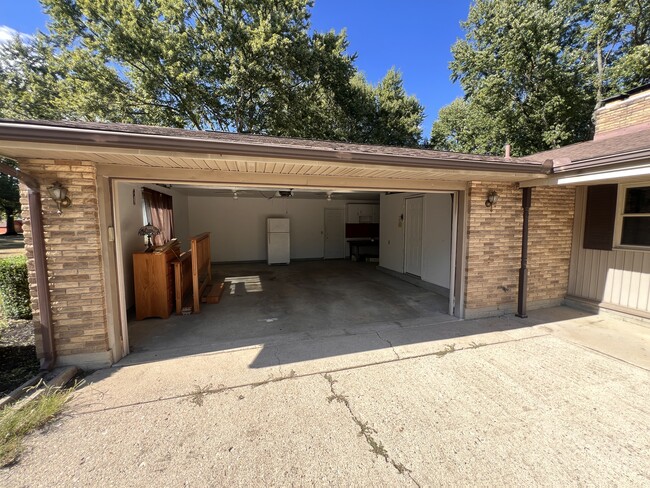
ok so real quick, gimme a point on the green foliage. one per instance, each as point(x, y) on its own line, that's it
point(9, 196)
point(234, 65)
point(533, 71)
point(14, 288)
point(18, 421)
point(462, 127)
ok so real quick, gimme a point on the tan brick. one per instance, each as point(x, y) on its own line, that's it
point(73, 256)
point(494, 244)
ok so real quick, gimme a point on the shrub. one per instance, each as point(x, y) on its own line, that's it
point(14, 288)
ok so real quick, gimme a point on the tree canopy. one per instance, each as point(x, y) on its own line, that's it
point(235, 65)
point(9, 197)
point(534, 70)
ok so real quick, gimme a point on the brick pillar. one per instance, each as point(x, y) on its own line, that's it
point(74, 259)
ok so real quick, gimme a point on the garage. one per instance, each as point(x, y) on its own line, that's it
point(412, 235)
point(354, 260)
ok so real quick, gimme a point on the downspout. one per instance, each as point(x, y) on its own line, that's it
point(523, 271)
point(40, 264)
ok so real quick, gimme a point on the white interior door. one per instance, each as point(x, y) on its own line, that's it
point(334, 235)
point(413, 237)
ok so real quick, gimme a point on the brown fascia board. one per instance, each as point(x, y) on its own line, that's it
point(604, 161)
point(79, 136)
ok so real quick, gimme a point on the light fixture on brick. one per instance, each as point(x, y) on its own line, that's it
point(59, 194)
point(492, 198)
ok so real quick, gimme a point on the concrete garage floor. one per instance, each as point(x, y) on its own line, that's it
point(262, 304)
point(558, 399)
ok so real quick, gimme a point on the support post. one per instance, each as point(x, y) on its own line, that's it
point(42, 285)
point(522, 296)
point(40, 263)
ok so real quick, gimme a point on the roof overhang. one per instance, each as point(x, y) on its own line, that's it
point(621, 168)
point(183, 150)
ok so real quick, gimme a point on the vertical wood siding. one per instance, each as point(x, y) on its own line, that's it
point(617, 277)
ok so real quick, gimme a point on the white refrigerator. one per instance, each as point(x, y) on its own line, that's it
point(277, 239)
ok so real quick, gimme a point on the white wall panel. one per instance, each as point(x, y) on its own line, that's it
point(238, 227)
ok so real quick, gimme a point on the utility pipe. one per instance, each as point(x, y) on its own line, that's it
point(526, 198)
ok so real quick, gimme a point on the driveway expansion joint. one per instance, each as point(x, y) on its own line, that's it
point(366, 431)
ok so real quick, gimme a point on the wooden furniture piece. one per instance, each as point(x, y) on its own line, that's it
point(201, 272)
point(183, 281)
point(154, 282)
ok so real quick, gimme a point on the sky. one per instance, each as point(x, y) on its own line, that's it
point(414, 36)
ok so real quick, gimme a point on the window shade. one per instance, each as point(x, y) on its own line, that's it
point(600, 215)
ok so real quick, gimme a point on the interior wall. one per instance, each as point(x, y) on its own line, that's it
point(130, 219)
point(436, 235)
point(238, 227)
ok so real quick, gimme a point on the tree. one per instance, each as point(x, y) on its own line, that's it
point(462, 127)
point(9, 197)
point(398, 116)
point(618, 35)
point(234, 65)
point(533, 70)
point(37, 83)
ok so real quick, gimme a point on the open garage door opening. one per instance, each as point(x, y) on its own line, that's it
point(285, 263)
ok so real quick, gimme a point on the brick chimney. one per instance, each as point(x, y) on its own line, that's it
point(620, 114)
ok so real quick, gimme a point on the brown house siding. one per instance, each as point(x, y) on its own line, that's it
point(74, 258)
point(494, 247)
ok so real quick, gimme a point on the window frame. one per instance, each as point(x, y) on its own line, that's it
point(620, 215)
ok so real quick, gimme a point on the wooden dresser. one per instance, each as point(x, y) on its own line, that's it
point(153, 276)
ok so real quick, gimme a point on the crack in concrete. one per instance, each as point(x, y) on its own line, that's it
point(366, 431)
point(389, 343)
point(292, 374)
point(273, 379)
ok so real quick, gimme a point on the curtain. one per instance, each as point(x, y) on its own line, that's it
point(159, 209)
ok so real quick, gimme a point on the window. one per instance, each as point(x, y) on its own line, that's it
point(159, 212)
point(633, 215)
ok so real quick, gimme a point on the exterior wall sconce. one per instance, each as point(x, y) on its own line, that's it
point(329, 196)
point(492, 198)
point(235, 196)
point(149, 231)
point(59, 194)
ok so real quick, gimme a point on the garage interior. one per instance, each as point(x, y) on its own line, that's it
point(357, 258)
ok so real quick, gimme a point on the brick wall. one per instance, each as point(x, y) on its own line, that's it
point(620, 114)
point(74, 261)
point(494, 247)
point(549, 242)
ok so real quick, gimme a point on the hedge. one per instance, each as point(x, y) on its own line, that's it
point(14, 288)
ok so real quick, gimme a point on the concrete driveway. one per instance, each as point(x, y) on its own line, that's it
point(550, 400)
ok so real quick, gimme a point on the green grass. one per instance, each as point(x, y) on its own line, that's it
point(18, 421)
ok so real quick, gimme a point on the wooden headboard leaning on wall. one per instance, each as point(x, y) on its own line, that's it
point(201, 272)
point(183, 280)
